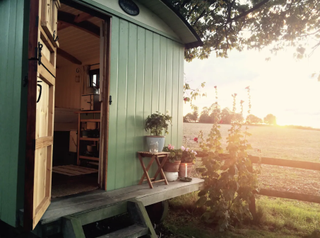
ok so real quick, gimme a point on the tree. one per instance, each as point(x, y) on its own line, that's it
point(270, 119)
point(237, 117)
point(234, 24)
point(195, 113)
point(191, 116)
point(188, 118)
point(210, 114)
point(252, 119)
point(205, 118)
point(226, 116)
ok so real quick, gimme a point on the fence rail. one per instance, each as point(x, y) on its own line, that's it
point(287, 163)
point(282, 194)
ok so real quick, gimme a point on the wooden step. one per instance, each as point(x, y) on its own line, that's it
point(128, 232)
point(72, 225)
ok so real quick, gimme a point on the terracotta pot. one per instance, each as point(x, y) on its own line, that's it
point(182, 169)
point(171, 167)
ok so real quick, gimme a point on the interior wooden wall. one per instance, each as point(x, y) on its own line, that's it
point(68, 86)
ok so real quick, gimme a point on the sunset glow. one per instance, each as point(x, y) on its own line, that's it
point(282, 86)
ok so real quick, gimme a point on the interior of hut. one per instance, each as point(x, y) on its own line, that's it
point(76, 160)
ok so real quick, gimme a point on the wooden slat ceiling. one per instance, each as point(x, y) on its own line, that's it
point(76, 41)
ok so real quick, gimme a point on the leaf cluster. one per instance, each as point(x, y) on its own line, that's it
point(235, 24)
point(157, 122)
point(175, 154)
point(191, 94)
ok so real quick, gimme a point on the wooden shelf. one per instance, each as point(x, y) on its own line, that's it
point(89, 139)
point(95, 141)
point(90, 120)
point(84, 112)
point(89, 158)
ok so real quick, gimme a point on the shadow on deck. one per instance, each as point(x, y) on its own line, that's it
point(83, 202)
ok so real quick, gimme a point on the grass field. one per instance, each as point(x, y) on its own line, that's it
point(276, 142)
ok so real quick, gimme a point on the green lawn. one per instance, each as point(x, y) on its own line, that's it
point(275, 218)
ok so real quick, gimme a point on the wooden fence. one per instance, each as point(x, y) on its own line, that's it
point(283, 194)
point(292, 164)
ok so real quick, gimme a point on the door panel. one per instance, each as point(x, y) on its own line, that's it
point(49, 17)
point(40, 114)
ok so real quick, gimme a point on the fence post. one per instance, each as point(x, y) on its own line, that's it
point(252, 199)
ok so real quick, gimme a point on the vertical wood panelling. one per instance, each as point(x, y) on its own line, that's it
point(12, 104)
point(162, 74)
point(156, 97)
point(169, 89)
point(146, 76)
point(180, 98)
point(130, 165)
point(139, 125)
point(122, 101)
point(68, 91)
point(113, 122)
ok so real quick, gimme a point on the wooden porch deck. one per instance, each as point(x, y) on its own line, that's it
point(80, 203)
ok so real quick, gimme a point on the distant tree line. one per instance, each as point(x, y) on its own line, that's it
point(226, 116)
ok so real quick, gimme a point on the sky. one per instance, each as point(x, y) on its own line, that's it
point(282, 86)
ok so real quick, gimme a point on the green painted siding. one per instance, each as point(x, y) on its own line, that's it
point(12, 106)
point(146, 76)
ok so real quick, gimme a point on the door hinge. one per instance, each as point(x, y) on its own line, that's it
point(39, 52)
point(110, 100)
point(55, 37)
point(25, 81)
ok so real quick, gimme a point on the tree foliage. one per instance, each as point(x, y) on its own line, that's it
point(270, 119)
point(235, 24)
point(211, 114)
point(252, 119)
point(191, 117)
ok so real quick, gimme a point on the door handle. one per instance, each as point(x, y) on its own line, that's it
point(40, 92)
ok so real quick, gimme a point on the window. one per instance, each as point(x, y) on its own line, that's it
point(94, 78)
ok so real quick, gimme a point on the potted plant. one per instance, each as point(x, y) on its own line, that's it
point(188, 158)
point(171, 167)
point(157, 123)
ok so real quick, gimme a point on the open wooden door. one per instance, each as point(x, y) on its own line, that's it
point(42, 51)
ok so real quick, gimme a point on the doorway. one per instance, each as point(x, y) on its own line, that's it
point(77, 158)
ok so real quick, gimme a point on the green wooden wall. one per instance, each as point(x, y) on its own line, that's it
point(146, 76)
point(12, 106)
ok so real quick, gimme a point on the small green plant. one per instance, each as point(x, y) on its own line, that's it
point(157, 122)
point(229, 178)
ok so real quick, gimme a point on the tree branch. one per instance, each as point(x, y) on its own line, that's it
point(201, 15)
point(191, 11)
point(255, 7)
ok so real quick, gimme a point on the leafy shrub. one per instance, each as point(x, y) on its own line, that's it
point(229, 178)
